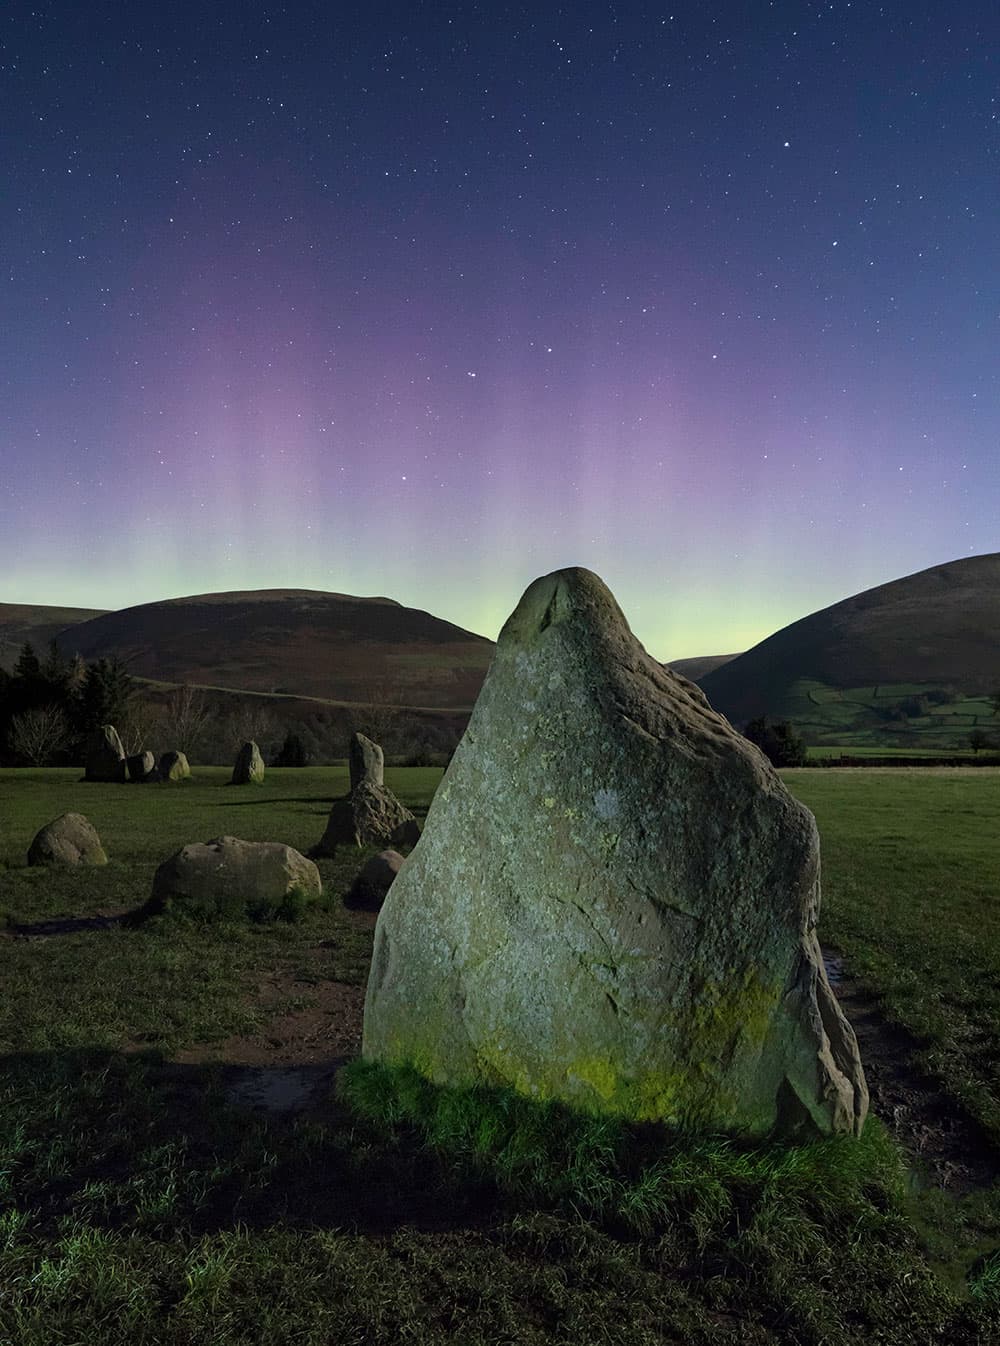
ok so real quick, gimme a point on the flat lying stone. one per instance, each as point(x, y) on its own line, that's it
point(231, 879)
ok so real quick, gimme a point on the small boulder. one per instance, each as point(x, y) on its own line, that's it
point(249, 768)
point(105, 756)
point(369, 816)
point(366, 761)
point(141, 767)
point(69, 839)
point(406, 834)
point(173, 766)
point(230, 879)
point(374, 880)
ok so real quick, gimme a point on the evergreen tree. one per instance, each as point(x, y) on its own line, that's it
point(293, 752)
point(31, 687)
point(103, 695)
point(778, 741)
point(27, 669)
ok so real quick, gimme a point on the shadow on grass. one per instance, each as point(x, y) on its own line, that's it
point(130, 1141)
point(300, 799)
point(66, 925)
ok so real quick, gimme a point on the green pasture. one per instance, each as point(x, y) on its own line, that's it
point(140, 1204)
point(858, 717)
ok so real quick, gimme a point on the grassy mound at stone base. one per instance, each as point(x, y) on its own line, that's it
point(784, 1221)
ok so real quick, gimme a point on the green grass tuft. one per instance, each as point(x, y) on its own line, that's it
point(640, 1177)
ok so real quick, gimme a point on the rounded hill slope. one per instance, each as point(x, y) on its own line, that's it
point(302, 641)
point(939, 627)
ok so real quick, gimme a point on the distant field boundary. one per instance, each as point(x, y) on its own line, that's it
point(983, 759)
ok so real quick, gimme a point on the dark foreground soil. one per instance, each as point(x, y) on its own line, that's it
point(947, 1147)
point(289, 1064)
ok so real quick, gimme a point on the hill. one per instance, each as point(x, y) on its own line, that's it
point(911, 661)
point(698, 665)
point(294, 641)
point(21, 622)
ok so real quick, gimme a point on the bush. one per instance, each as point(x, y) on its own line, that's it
point(941, 696)
point(778, 741)
point(913, 707)
point(293, 752)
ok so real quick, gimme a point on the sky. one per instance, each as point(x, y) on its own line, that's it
point(429, 299)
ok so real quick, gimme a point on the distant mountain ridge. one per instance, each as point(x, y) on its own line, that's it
point(937, 628)
point(849, 673)
point(698, 665)
point(300, 641)
point(35, 624)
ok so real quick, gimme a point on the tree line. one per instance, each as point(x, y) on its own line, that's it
point(51, 703)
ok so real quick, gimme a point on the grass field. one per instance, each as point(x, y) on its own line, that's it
point(830, 752)
point(142, 1201)
point(860, 717)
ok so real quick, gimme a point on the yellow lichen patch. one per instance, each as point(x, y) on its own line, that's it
point(598, 1074)
point(736, 1012)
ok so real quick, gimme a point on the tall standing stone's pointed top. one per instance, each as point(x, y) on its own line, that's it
point(614, 899)
point(366, 761)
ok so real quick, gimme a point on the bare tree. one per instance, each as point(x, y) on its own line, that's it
point(248, 720)
point(186, 718)
point(378, 713)
point(139, 726)
point(39, 733)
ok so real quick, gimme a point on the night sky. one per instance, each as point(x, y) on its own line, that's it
point(426, 300)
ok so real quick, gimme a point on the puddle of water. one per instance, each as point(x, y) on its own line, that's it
point(277, 1088)
point(835, 971)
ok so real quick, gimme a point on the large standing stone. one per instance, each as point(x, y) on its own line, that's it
point(366, 761)
point(69, 839)
point(141, 766)
point(614, 899)
point(249, 768)
point(174, 766)
point(230, 878)
point(370, 815)
point(105, 756)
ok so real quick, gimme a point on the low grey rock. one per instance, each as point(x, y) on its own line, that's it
point(249, 768)
point(232, 879)
point(173, 765)
point(69, 839)
point(374, 880)
point(406, 834)
point(141, 767)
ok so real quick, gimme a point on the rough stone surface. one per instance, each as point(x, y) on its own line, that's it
point(614, 899)
point(366, 761)
point(68, 840)
point(370, 815)
point(173, 766)
point(249, 768)
point(374, 880)
point(141, 766)
point(105, 756)
point(231, 878)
